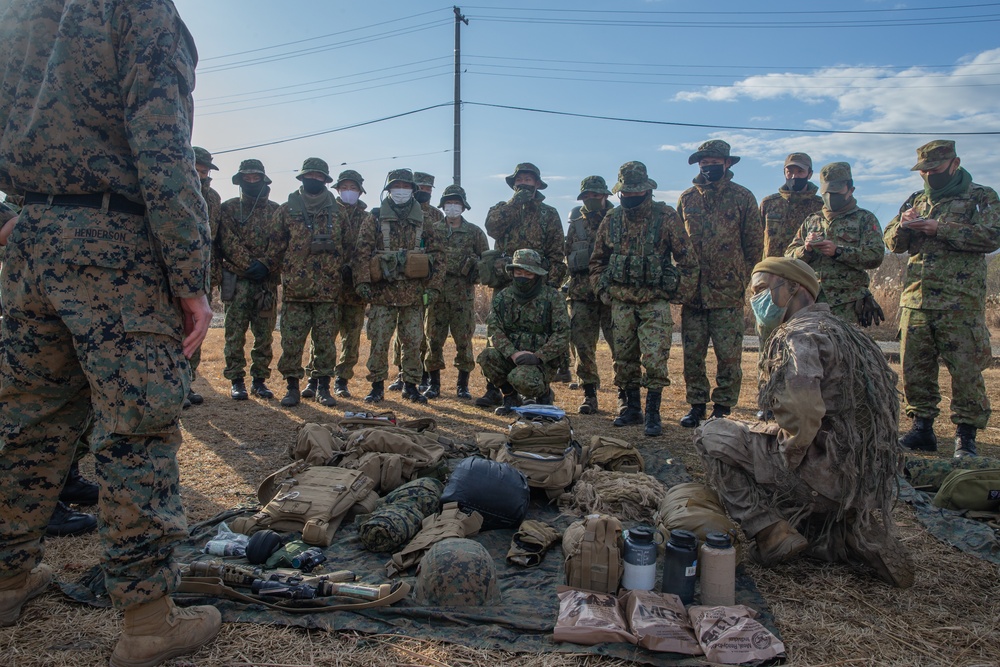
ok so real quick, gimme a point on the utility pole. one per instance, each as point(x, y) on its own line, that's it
point(457, 152)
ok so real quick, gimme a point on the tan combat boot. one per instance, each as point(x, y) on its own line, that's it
point(17, 590)
point(158, 630)
point(779, 543)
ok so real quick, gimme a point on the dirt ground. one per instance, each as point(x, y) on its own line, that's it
point(827, 614)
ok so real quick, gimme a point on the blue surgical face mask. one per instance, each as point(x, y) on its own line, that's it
point(769, 314)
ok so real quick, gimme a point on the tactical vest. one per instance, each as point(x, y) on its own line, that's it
point(324, 239)
point(582, 248)
point(529, 335)
point(646, 268)
point(400, 264)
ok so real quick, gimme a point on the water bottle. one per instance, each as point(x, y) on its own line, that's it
point(225, 548)
point(680, 565)
point(640, 559)
point(718, 571)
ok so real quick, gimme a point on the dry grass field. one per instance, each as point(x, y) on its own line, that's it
point(829, 615)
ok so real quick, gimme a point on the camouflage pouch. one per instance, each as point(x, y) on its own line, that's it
point(660, 274)
point(493, 269)
point(615, 455)
point(227, 290)
point(578, 259)
point(417, 266)
point(593, 550)
point(531, 542)
point(976, 490)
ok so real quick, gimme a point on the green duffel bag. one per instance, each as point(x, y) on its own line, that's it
point(976, 490)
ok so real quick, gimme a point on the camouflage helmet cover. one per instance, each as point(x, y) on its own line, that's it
point(403, 175)
point(203, 157)
point(457, 572)
point(528, 168)
point(632, 177)
point(423, 178)
point(834, 176)
point(593, 184)
point(351, 175)
point(251, 166)
point(933, 154)
point(454, 192)
point(529, 260)
point(713, 148)
point(315, 164)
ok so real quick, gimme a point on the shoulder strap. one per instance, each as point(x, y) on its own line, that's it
point(385, 235)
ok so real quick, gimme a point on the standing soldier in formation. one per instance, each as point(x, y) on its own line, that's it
point(203, 165)
point(631, 269)
point(400, 262)
point(524, 221)
point(588, 316)
point(723, 221)
point(783, 212)
point(841, 243)
point(250, 264)
point(528, 329)
point(464, 243)
point(310, 238)
point(947, 228)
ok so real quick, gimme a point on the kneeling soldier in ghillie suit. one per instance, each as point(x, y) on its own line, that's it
point(400, 265)
point(588, 316)
point(525, 222)
point(821, 479)
point(528, 330)
point(310, 228)
point(250, 263)
point(464, 244)
point(631, 269)
point(841, 243)
point(947, 228)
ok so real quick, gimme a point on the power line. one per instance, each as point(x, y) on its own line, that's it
point(728, 127)
point(737, 13)
point(748, 25)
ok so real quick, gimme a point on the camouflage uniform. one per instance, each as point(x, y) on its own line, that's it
point(397, 303)
point(944, 298)
point(247, 233)
point(352, 306)
point(214, 202)
point(723, 221)
point(91, 320)
point(783, 212)
point(537, 323)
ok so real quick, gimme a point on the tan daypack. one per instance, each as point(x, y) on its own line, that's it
point(544, 451)
point(593, 551)
point(311, 499)
point(615, 454)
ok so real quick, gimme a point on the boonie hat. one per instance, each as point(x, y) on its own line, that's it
point(315, 164)
point(351, 175)
point(713, 148)
point(593, 184)
point(203, 157)
point(531, 169)
point(454, 192)
point(251, 166)
point(529, 260)
point(632, 177)
point(404, 175)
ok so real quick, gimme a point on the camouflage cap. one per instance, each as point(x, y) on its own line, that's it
point(799, 160)
point(203, 157)
point(315, 164)
point(933, 154)
point(834, 176)
point(251, 166)
point(351, 175)
point(529, 260)
point(593, 184)
point(713, 148)
point(404, 175)
point(423, 178)
point(457, 572)
point(632, 177)
point(529, 168)
point(454, 192)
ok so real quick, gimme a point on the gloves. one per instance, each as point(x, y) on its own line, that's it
point(528, 359)
point(523, 196)
point(256, 272)
point(868, 311)
point(364, 290)
point(430, 296)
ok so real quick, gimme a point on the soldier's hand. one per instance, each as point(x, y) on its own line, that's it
point(527, 359)
point(364, 290)
point(870, 312)
point(256, 272)
point(522, 196)
point(197, 316)
point(6, 230)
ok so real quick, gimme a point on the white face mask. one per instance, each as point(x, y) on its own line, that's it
point(400, 195)
point(453, 210)
point(350, 197)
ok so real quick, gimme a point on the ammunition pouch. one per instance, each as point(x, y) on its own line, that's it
point(593, 549)
point(493, 269)
point(578, 259)
point(649, 271)
point(417, 266)
point(227, 290)
point(321, 243)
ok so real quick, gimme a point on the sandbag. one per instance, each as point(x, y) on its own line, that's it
point(499, 492)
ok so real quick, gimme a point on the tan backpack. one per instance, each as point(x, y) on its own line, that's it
point(544, 451)
point(593, 551)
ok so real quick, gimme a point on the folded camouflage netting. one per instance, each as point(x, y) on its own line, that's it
point(522, 622)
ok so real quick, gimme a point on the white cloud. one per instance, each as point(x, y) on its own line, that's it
point(670, 148)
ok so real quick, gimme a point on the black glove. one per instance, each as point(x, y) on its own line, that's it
point(523, 196)
point(364, 290)
point(256, 272)
point(528, 359)
point(868, 311)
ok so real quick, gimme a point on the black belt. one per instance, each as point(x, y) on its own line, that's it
point(116, 203)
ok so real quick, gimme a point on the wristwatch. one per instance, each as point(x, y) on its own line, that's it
point(838, 252)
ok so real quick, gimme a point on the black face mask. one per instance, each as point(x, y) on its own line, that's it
point(632, 202)
point(252, 189)
point(713, 172)
point(522, 284)
point(313, 186)
point(422, 197)
point(938, 181)
point(796, 184)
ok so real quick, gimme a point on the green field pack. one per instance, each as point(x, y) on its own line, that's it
point(975, 490)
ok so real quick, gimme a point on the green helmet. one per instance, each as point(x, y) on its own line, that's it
point(529, 168)
point(423, 178)
point(457, 572)
point(315, 164)
point(529, 260)
point(351, 175)
point(203, 157)
point(404, 175)
point(632, 177)
point(713, 148)
point(454, 192)
point(251, 167)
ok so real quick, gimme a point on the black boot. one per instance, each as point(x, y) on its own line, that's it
point(653, 426)
point(921, 436)
point(65, 522)
point(511, 400)
point(632, 414)
point(622, 401)
point(259, 389)
point(291, 397)
point(340, 388)
point(965, 441)
point(589, 405)
point(77, 489)
point(491, 398)
point(397, 385)
point(377, 394)
point(720, 411)
point(462, 386)
point(411, 393)
point(323, 392)
point(694, 416)
point(310, 389)
point(194, 398)
point(562, 375)
point(548, 398)
point(433, 385)
point(239, 390)
point(425, 382)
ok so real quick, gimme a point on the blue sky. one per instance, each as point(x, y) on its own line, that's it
point(272, 71)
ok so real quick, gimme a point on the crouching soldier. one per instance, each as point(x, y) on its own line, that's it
point(528, 330)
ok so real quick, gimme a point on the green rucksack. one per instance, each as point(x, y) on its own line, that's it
point(976, 490)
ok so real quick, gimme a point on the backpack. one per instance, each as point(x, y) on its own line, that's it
point(492, 269)
point(976, 490)
point(545, 451)
point(593, 550)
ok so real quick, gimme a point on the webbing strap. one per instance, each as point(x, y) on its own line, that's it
point(214, 587)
